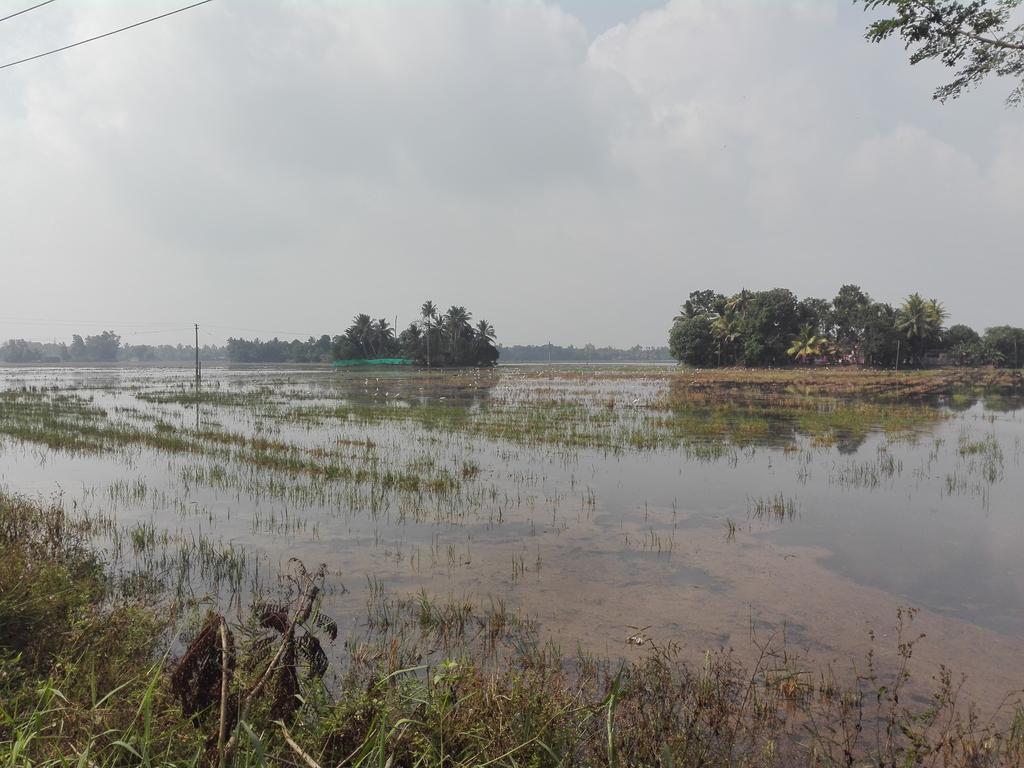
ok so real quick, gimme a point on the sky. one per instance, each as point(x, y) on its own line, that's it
point(569, 170)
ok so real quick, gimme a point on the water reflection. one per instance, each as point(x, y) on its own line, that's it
point(591, 501)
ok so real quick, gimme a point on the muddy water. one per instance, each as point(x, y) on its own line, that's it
point(595, 543)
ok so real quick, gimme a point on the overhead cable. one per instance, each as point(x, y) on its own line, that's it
point(105, 34)
point(26, 10)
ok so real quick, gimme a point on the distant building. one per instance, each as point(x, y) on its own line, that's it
point(936, 358)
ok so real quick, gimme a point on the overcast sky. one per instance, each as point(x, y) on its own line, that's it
point(568, 171)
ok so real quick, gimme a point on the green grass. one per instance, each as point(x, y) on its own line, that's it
point(675, 410)
point(84, 680)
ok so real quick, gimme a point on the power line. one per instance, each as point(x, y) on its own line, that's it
point(154, 326)
point(37, 5)
point(85, 321)
point(105, 34)
point(148, 333)
point(264, 330)
point(133, 328)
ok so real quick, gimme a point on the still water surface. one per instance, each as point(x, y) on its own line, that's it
point(592, 540)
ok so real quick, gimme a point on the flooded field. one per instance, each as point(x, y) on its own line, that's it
point(607, 507)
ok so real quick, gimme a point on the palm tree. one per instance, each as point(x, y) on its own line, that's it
point(456, 321)
point(383, 335)
point(410, 340)
point(726, 330)
point(913, 317)
point(938, 313)
point(739, 303)
point(920, 320)
point(484, 332)
point(429, 313)
point(689, 311)
point(808, 344)
point(483, 344)
point(360, 333)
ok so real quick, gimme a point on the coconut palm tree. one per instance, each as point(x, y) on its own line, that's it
point(938, 313)
point(920, 320)
point(913, 317)
point(739, 303)
point(383, 336)
point(410, 341)
point(726, 330)
point(808, 345)
point(485, 353)
point(457, 327)
point(484, 332)
point(360, 333)
point(429, 314)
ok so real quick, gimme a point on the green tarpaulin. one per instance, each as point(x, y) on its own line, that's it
point(377, 361)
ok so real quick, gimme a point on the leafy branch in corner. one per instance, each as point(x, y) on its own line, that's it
point(976, 38)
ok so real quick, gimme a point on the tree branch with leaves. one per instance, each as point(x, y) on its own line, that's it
point(978, 39)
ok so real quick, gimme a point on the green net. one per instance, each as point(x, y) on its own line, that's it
point(376, 361)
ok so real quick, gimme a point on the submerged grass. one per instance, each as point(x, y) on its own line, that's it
point(86, 651)
point(85, 679)
point(607, 411)
point(776, 507)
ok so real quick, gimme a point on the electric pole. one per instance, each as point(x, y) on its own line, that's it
point(197, 357)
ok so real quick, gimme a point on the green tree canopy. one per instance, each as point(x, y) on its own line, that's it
point(691, 341)
point(774, 327)
point(848, 316)
point(976, 38)
point(101, 348)
point(772, 322)
point(1006, 344)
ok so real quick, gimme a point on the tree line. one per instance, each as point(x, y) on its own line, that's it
point(436, 339)
point(313, 350)
point(105, 347)
point(774, 328)
point(537, 353)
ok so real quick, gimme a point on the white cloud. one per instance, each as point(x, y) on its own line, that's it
point(309, 160)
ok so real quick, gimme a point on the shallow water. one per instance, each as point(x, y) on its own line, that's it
point(562, 518)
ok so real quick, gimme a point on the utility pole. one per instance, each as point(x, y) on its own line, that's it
point(898, 355)
point(198, 375)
